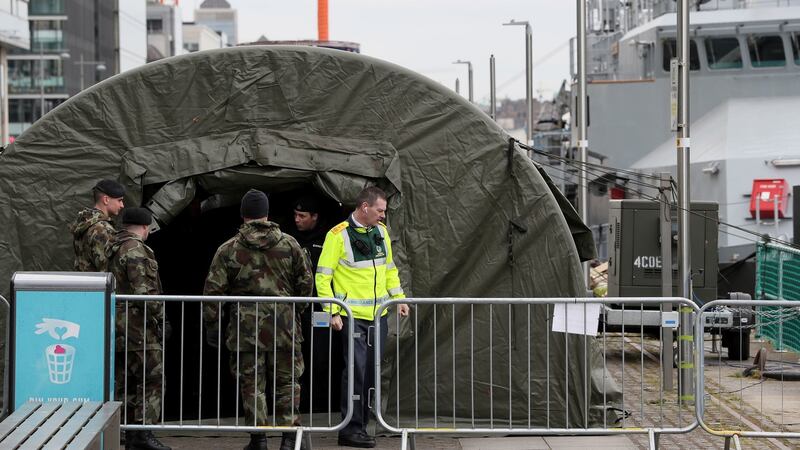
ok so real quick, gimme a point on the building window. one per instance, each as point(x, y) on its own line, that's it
point(25, 77)
point(766, 51)
point(46, 7)
point(20, 110)
point(723, 53)
point(46, 35)
point(796, 47)
point(155, 26)
point(669, 51)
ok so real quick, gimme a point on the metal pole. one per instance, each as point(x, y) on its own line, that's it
point(583, 143)
point(458, 87)
point(41, 79)
point(685, 337)
point(775, 216)
point(469, 75)
point(469, 70)
point(666, 279)
point(81, 64)
point(529, 81)
point(492, 90)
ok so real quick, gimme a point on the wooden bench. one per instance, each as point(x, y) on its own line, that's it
point(68, 425)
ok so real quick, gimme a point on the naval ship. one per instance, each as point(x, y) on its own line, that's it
point(744, 105)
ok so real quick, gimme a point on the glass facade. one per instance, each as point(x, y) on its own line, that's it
point(22, 112)
point(25, 76)
point(766, 51)
point(47, 35)
point(46, 8)
point(723, 53)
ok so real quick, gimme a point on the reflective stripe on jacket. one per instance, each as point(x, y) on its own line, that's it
point(362, 280)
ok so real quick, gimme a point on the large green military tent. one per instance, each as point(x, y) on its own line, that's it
point(470, 214)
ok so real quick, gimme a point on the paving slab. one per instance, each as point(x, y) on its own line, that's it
point(515, 443)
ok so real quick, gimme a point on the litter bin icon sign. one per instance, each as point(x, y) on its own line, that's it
point(60, 357)
point(62, 337)
point(59, 362)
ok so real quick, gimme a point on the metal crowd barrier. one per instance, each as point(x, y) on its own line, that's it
point(759, 395)
point(202, 421)
point(476, 345)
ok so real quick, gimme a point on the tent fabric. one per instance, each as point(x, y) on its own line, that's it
point(471, 215)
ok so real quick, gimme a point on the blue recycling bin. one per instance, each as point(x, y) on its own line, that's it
point(61, 337)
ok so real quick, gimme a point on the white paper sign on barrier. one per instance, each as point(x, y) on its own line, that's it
point(576, 318)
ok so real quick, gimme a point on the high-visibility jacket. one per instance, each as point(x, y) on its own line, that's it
point(356, 266)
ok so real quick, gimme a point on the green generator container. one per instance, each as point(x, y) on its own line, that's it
point(634, 249)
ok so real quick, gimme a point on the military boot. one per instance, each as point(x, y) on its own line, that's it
point(288, 441)
point(143, 440)
point(258, 441)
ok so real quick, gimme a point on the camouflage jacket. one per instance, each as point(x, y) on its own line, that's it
point(91, 233)
point(134, 266)
point(259, 260)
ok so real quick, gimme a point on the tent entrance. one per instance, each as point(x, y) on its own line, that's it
point(184, 249)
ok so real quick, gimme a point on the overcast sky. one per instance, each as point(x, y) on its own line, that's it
point(428, 35)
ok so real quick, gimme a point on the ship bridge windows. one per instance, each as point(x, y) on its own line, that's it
point(766, 51)
point(796, 47)
point(723, 53)
point(670, 51)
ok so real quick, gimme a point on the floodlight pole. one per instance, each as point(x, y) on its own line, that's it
point(528, 78)
point(685, 333)
point(492, 90)
point(581, 116)
point(469, 76)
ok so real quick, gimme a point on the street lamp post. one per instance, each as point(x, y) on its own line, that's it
point(99, 65)
point(492, 90)
point(469, 76)
point(528, 77)
point(41, 79)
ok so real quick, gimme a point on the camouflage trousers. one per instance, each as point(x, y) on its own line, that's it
point(256, 375)
point(143, 385)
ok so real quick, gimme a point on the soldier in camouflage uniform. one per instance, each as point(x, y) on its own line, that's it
point(138, 358)
point(93, 230)
point(261, 260)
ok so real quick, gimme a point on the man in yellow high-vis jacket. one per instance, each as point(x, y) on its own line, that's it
point(356, 265)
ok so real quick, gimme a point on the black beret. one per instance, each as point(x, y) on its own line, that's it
point(255, 205)
point(307, 203)
point(111, 188)
point(137, 216)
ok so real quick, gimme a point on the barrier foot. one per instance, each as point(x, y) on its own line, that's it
point(298, 439)
point(408, 441)
point(737, 445)
point(653, 436)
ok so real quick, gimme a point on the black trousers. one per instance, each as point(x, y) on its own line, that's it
point(363, 371)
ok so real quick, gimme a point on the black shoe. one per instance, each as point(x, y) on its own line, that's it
point(258, 441)
point(288, 441)
point(143, 440)
point(356, 440)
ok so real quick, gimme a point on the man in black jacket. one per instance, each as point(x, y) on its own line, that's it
point(310, 232)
